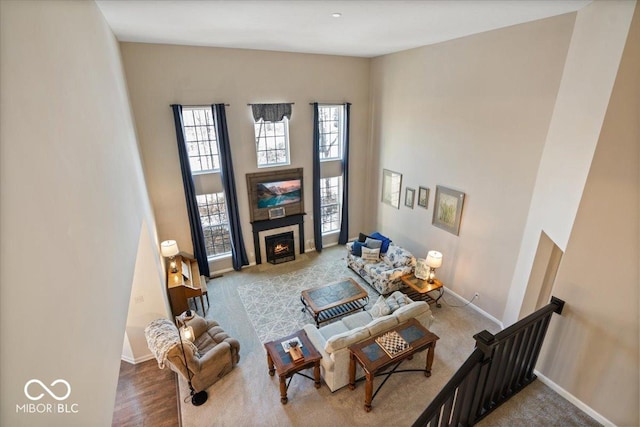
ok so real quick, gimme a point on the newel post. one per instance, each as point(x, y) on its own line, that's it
point(486, 342)
point(558, 303)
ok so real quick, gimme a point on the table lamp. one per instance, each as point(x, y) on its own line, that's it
point(434, 260)
point(169, 249)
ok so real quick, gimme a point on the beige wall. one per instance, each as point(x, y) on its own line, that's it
point(592, 349)
point(148, 299)
point(73, 206)
point(591, 65)
point(471, 114)
point(160, 75)
point(512, 117)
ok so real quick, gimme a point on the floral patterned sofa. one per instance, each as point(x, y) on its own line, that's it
point(383, 274)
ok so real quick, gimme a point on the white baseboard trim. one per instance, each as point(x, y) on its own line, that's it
point(227, 270)
point(137, 360)
point(328, 245)
point(574, 400)
point(475, 307)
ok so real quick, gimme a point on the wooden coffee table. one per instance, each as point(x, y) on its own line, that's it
point(336, 299)
point(374, 360)
point(280, 361)
point(419, 289)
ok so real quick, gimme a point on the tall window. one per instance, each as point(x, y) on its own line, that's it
point(330, 198)
point(200, 139)
point(272, 142)
point(202, 148)
point(215, 223)
point(331, 129)
point(330, 124)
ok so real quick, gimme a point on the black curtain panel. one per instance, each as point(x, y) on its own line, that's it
point(238, 250)
point(344, 222)
point(197, 236)
point(317, 219)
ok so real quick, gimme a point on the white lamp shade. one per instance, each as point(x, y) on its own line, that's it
point(434, 259)
point(169, 248)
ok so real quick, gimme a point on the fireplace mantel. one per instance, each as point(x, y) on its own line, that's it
point(269, 224)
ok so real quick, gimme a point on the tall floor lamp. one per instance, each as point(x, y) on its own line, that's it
point(200, 397)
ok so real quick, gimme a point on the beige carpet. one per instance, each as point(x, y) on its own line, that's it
point(248, 396)
point(273, 303)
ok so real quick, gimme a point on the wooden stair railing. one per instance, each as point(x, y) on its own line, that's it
point(500, 366)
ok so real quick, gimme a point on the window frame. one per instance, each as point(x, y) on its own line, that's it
point(339, 132)
point(337, 204)
point(212, 143)
point(225, 225)
point(258, 137)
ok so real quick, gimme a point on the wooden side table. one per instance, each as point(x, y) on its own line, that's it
point(280, 361)
point(419, 289)
point(375, 361)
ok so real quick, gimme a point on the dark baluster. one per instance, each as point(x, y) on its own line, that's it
point(500, 366)
point(519, 364)
point(511, 364)
point(448, 407)
point(535, 330)
point(538, 346)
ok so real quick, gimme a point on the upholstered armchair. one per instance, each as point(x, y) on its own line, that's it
point(212, 354)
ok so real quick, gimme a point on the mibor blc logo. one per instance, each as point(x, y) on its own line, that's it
point(35, 390)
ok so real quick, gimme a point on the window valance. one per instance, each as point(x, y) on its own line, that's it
point(271, 112)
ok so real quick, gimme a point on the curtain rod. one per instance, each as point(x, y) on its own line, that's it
point(330, 103)
point(204, 105)
point(261, 103)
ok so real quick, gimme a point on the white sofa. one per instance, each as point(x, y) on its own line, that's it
point(333, 340)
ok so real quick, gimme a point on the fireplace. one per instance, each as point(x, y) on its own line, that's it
point(280, 247)
point(261, 229)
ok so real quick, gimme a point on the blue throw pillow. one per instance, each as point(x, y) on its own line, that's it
point(356, 249)
point(385, 241)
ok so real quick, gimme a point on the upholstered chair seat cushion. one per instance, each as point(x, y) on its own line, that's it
point(217, 353)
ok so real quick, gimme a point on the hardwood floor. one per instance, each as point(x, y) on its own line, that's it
point(146, 396)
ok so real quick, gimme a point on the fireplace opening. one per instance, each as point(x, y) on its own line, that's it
point(280, 247)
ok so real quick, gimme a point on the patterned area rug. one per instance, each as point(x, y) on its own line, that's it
point(273, 305)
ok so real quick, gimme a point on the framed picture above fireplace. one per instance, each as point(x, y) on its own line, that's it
point(275, 194)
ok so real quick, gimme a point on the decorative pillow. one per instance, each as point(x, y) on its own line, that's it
point(372, 243)
point(398, 257)
point(393, 304)
point(397, 300)
point(362, 237)
point(380, 308)
point(356, 249)
point(385, 241)
point(370, 254)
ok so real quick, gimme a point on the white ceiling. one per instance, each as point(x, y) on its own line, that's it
point(366, 28)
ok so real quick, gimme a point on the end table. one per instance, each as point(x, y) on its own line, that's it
point(419, 289)
point(280, 361)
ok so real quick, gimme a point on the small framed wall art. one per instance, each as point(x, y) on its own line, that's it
point(409, 196)
point(423, 197)
point(391, 185)
point(447, 209)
